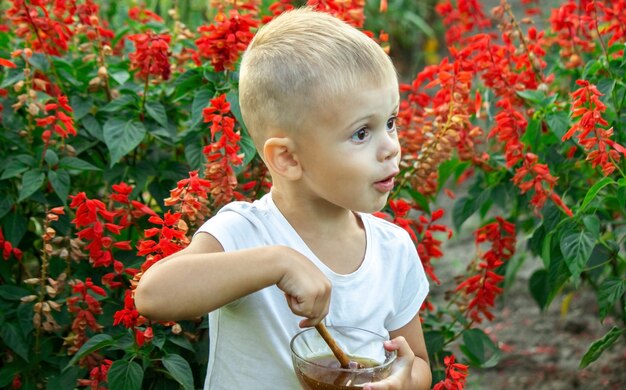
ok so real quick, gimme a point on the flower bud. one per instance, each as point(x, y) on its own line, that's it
point(102, 72)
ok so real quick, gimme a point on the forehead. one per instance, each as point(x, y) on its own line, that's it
point(367, 100)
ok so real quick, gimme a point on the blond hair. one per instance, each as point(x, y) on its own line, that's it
point(299, 58)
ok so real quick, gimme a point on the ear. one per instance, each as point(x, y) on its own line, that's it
point(280, 157)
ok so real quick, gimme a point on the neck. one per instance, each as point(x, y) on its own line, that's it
point(308, 215)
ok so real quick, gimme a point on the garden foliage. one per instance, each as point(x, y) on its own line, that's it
point(121, 134)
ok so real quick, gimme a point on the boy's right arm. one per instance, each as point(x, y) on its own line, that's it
point(202, 278)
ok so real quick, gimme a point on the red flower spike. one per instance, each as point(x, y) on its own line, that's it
point(151, 55)
point(482, 288)
point(223, 42)
point(456, 375)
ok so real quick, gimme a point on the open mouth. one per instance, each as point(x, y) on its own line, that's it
point(386, 184)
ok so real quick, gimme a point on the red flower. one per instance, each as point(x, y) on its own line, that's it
point(34, 22)
point(461, 19)
point(60, 122)
point(350, 11)
point(97, 376)
point(7, 63)
point(456, 375)
point(224, 41)
point(602, 150)
point(151, 55)
point(482, 288)
point(223, 153)
point(8, 249)
point(129, 315)
point(143, 15)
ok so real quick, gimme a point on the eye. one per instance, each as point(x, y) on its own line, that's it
point(391, 124)
point(360, 135)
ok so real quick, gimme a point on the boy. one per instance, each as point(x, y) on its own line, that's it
point(320, 100)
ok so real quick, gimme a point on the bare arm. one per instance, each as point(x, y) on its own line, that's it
point(202, 278)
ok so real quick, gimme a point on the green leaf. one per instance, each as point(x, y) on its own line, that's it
point(200, 102)
point(599, 346)
point(532, 95)
point(179, 369)
point(12, 293)
point(558, 122)
point(39, 61)
point(14, 227)
point(157, 112)
point(188, 81)
point(66, 380)
point(420, 23)
point(576, 246)
point(15, 75)
point(479, 349)
point(593, 192)
point(75, 163)
point(121, 136)
point(119, 103)
point(610, 291)
point(539, 287)
point(233, 99)
point(248, 149)
point(60, 181)
point(31, 182)
point(6, 203)
point(81, 106)
point(91, 124)
point(51, 157)
point(121, 76)
point(14, 167)
point(125, 375)
point(435, 341)
point(95, 343)
point(14, 340)
point(532, 135)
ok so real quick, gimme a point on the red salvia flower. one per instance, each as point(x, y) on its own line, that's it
point(151, 55)
point(43, 24)
point(421, 232)
point(92, 215)
point(350, 11)
point(223, 42)
point(59, 122)
point(536, 177)
point(602, 150)
point(482, 289)
point(456, 375)
point(509, 128)
point(170, 238)
point(97, 376)
point(223, 153)
point(191, 198)
point(143, 15)
point(128, 316)
point(85, 308)
point(8, 249)
point(95, 30)
point(460, 19)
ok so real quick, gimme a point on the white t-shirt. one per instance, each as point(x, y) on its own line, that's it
point(249, 338)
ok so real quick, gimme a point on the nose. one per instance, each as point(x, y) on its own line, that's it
point(389, 146)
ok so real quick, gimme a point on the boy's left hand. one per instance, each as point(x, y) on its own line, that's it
point(400, 377)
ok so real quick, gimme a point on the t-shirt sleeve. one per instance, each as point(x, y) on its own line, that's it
point(412, 288)
point(233, 230)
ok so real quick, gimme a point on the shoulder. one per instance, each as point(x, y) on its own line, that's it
point(385, 230)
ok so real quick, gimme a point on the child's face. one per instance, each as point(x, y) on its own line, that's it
point(348, 148)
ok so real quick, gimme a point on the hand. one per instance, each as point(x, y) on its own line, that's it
point(400, 378)
point(306, 287)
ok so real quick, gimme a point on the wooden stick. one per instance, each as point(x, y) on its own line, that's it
point(332, 344)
